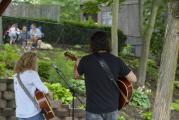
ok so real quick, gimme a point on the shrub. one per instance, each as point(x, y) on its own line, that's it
point(2, 69)
point(44, 69)
point(8, 57)
point(140, 98)
point(60, 92)
point(175, 105)
point(147, 115)
point(152, 70)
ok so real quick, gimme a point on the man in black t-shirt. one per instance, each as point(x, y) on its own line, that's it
point(102, 94)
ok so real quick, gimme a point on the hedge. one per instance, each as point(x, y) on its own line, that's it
point(63, 33)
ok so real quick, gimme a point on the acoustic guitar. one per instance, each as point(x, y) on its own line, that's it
point(44, 105)
point(125, 87)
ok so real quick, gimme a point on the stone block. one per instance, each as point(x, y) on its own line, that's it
point(11, 104)
point(55, 104)
point(61, 113)
point(3, 104)
point(3, 87)
point(10, 87)
point(2, 118)
point(78, 113)
point(11, 118)
point(8, 112)
point(8, 95)
point(70, 118)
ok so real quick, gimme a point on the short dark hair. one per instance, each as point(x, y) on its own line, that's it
point(100, 41)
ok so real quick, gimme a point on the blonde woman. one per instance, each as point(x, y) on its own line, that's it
point(26, 68)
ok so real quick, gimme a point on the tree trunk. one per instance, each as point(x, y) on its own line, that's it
point(146, 44)
point(166, 78)
point(114, 31)
point(1, 31)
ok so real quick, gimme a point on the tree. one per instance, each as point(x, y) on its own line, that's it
point(169, 57)
point(114, 29)
point(147, 35)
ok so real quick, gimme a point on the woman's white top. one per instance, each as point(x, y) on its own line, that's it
point(24, 106)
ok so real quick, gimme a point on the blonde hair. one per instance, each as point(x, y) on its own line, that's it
point(28, 61)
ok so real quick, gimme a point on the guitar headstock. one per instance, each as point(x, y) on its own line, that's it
point(70, 56)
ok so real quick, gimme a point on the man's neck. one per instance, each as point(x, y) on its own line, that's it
point(102, 51)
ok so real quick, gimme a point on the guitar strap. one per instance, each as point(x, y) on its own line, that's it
point(26, 91)
point(109, 74)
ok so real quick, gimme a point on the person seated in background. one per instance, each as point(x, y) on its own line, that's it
point(24, 36)
point(13, 33)
point(35, 35)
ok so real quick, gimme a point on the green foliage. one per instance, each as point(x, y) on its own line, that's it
point(121, 116)
point(78, 85)
point(175, 105)
point(66, 32)
point(8, 57)
point(152, 70)
point(140, 98)
point(127, 51)
point(147, 115)
point(90, 7)
point(2, 69)
point(60, 92)
point(176, 84)
point(44, 67)
point(93, 7)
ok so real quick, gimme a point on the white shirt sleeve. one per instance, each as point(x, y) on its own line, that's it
point(38, 83)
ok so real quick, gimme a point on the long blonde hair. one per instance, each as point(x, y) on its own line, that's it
point(28, 61)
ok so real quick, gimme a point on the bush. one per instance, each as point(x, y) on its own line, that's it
point(175, 105)
point(66, 32)
point(147, 115)
point(2, 69)
point(140, 98)
point(44, 69)
point(60, 92)
point(8, 57)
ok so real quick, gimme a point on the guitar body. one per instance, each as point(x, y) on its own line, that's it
point(44, 105)
point(126, 88)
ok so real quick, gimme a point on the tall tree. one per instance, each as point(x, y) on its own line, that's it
point(166, 78)
point(114, 29)
point(146, 43)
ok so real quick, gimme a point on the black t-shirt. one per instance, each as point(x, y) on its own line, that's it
point(102, 94)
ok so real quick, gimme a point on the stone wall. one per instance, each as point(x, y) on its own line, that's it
point(7, 105)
